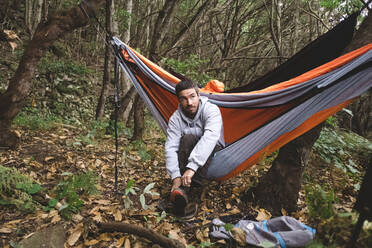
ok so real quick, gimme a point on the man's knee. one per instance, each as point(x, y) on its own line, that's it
point(189, 140)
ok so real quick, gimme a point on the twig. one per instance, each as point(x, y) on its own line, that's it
point(313, 14)
point(257, 57)
point(142, 232)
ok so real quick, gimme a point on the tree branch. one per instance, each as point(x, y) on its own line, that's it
point(269, 57)
point(313, 14)
point(142, 232)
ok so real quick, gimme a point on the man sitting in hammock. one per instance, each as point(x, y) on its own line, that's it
point(194, 134)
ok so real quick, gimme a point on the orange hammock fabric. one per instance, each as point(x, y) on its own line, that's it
point(261, 120)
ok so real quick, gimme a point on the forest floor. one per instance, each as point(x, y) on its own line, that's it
point(46, 156)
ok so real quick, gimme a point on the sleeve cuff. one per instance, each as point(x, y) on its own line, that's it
point(175, 175)
point(192, 166)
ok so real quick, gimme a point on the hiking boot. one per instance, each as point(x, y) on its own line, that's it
point(179, 199)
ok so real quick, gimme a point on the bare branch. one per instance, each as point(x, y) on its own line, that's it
point(142, 232)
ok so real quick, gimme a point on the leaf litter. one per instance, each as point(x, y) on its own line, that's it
point(45, 155)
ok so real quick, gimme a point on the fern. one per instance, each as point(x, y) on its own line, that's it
point(17, 189)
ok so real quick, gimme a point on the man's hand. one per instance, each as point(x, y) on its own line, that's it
point(186, 177)
point(176, 183)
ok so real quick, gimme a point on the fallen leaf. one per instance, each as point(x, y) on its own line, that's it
point(228, 205)
point(5, 230)
point(117, 215)
point(98, 217)
point(75, 234)
point(263, 214)
point(120, 242)
point(205, 222)
point(164, 228)
point(91, 242)
point(10, 223)
point(284, 213)
point(127, 243)
point(234, 211)
point(239, 235)
point(55, 219)
point(199, 235)
point(103, 202)
point(13, 45)
point(206, 232)
point(174, 235)
point(104, 237)
point(48, 159)
point(77, 218)
point(138, 245)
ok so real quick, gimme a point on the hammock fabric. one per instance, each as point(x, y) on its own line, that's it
point(258, 122)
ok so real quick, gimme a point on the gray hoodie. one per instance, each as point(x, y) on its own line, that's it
point(207, 124)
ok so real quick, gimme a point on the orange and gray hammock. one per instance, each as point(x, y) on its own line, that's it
point(257, 121)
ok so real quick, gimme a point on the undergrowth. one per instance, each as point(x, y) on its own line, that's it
point(17, 189)
point(349, 153)
point(344, 150)
point(70, 190)
point(35, 119)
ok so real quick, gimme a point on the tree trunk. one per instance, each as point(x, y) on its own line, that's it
point(361, 122)
point(12, 99)
point(279, 188)
point(127, 100)
point(33, 14)
point(138, 118)
point(161, 26)
point(125, 105)
point(100, 111)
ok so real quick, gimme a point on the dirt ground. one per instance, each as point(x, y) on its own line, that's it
point(45, 155)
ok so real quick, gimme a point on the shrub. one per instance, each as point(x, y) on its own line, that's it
point(17, 189)
point(71, 188)
point(320, 202)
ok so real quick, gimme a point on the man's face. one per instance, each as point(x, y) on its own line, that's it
point(189, 100)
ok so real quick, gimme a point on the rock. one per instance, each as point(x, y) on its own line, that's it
point(50, 237)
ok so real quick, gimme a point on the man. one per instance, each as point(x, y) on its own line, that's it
point(194, 133)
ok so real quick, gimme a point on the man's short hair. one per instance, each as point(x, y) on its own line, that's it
point(186, 84)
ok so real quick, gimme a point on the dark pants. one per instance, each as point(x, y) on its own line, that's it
point(187, 144)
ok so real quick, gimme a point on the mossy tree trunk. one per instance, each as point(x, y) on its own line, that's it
point(46, 34)
point(279, 187)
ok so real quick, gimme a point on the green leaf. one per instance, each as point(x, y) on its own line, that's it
point(132, 191)
point(143, 202)
point(266, 244)
point(66, 173)
point(148, 188)
point(34, 188)
point(52, 202)
point(228, 227)
point(64, 206)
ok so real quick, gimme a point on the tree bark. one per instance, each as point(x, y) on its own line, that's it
point(161, 26)
point(33, 14)
point(279, 188)
point(127, 100)
point(46, 34)
point(100, 110)
point(361, 122)
point(142, 232)
point(139, 122)
point(124, 105)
